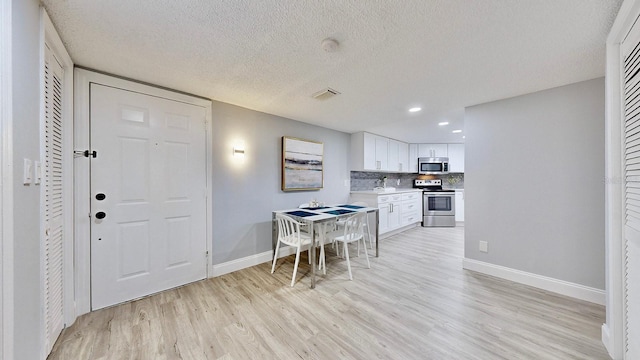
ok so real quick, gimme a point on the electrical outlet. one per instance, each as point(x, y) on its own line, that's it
point(346, 182)
point(484, 246)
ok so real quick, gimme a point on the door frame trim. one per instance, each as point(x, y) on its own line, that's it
point(6, 185)
point(83, 79)
point(613, 330)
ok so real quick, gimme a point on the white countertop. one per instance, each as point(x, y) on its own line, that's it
point(382, 192)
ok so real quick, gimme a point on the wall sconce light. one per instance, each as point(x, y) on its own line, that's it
point(238, 152)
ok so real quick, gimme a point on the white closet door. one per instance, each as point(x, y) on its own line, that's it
point(53, 200)
point(631, 75)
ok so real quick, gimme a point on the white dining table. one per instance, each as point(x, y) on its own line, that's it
point(312, 216)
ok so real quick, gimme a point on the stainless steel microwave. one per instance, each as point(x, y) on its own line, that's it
point(433, 165)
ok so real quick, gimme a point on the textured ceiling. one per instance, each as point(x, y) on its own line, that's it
point(266, 55)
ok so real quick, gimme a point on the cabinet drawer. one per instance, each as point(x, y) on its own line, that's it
point(411, 218)
point(409, 206)
point(383, 199)
point(411, 196)
point(389, 198)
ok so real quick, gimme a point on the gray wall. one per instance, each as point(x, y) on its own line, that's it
point(26, 140)
point(534, 182)
point(245, 192)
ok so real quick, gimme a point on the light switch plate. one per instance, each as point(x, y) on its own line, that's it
point(27, 177)
point(38, 172)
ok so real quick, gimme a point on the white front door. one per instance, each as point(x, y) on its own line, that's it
point(148, 198)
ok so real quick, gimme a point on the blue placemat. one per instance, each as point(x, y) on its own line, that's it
point(300, 213)
point(351, 206)
point(338, 211)
point(317, 208)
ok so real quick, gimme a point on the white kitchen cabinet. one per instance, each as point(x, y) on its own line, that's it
point(378, 153)
point(394, 155)
point(432, 150)
point(459, 205)
point(384, 210)
point(396, 215)
point(455, 153)
point(411, 208)
point(390, 207)
point(398, 156)
point(369, 152)
point(456, 157)
point(381, 152)
point(396, 210)
point(413, 158)
point(403, 155)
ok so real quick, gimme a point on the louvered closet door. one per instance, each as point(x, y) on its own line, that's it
point(631, 55)
point(53, 211)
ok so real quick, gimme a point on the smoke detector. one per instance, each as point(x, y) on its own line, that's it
point(330, 45)
point(325, 94)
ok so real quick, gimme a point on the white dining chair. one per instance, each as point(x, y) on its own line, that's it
point(352, 231)
point(289, 234)
point(321, 230)
point(366, 227)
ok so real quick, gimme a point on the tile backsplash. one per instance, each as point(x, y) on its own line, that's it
point(367, 180)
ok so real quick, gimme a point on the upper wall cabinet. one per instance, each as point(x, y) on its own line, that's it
point(432, 150)
point(413, 158)
point(378, 153)
point(398, 156)
point(403, 157)
point(456, 157)
point(455, 153)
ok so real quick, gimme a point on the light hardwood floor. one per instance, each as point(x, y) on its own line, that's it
point(416, 302)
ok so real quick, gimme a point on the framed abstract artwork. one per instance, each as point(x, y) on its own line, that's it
point(302, 164)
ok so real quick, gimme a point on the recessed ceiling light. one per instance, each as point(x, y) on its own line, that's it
point(443, 123)
point(456, 131)
point(415, 109)
point(464, 137)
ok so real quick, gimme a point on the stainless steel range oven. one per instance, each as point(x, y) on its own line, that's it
point(438, 204)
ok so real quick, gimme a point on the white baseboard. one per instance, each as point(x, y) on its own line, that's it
point(562, 287)
point(252, 260)
point(396, 231)
point(249, 261)
point(606, 339)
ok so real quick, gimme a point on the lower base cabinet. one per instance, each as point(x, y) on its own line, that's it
point(396, 210)
point(411, 208)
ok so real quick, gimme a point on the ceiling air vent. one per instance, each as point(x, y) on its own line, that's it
point(325, 94)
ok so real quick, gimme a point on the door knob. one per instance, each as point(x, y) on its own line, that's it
point(100, 215)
